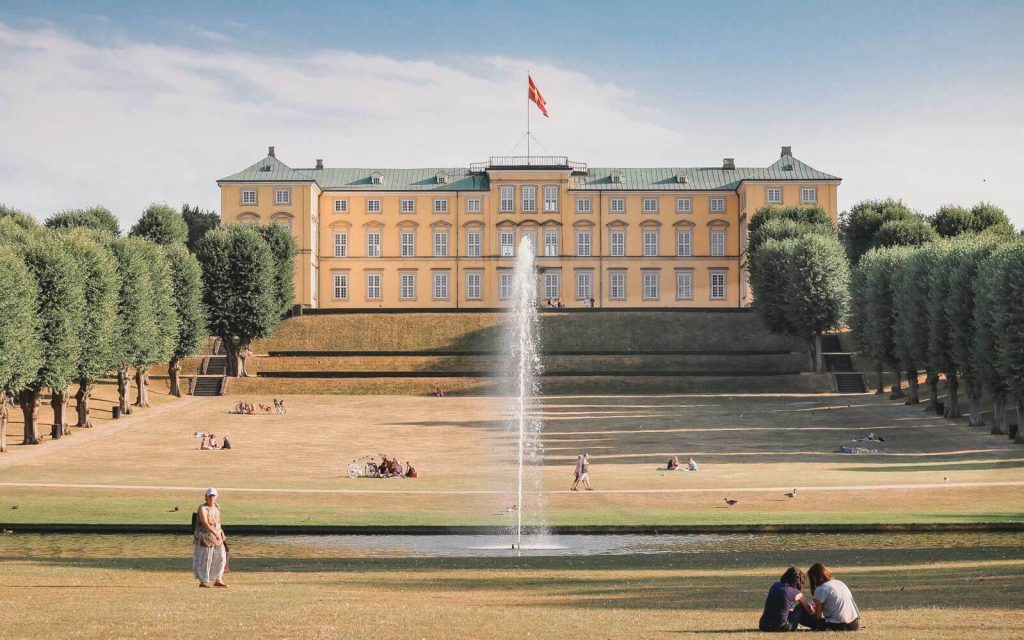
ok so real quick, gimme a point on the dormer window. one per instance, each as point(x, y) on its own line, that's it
point(616, 177)
point(681, 177)
point(376, 178)
point(442, 178)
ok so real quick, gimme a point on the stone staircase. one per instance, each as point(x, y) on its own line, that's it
point(212, 377)
point(840, 365)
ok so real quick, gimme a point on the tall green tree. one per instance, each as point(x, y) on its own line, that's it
point(912, 293)
point(162, 225)
point(873, 314)
point(783, 228)
point(951, 220)
point(160, 348)
point(284, 248)
point(21, 352)
point(858, 226)
point(136, 317)
point(910, 232)
point(940, 343)
point(240, 290)
point(1009, 325)
point(198, 222)
point(187, 280)
point(989, 218)
point(812, 215)
point(19, 217)
point(97, 218)
point(987, 307)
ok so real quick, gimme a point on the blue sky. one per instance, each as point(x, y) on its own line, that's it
point(922, 100)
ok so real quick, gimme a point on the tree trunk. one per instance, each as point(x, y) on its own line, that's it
point(998, 416)
point(82, 398)
point(142, 388)
point(952, 409)
point(1020, 422)
point(124, 391)
point(29, 401)
point(5, 413)
point(59, 403)
point(933, 391)
point(897, 387)
point(819, 359)
point(237, 355)
point(173, 372)
point(974, 405)
point(813, 355)
point(912, 384)
point(881, 381)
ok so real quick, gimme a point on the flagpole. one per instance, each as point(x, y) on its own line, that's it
point(527, 118)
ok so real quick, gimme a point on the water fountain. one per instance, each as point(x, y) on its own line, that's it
point(525, 369)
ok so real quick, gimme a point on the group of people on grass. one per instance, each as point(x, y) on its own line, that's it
point(392, 468)
point(830, 608)
point(249, 409)
point(582, 473)
point(673, 465)
point(210, 441)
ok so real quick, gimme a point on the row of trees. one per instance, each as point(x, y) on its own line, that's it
point(952, 308)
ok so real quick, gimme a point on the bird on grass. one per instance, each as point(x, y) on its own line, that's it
point(945, 478)
point(730, 501)
point(15, 507)
point(791, 494)
point(7, 531)
point(174, 509)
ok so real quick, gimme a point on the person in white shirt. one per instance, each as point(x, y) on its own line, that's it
point(577, 473)
point(834, 607)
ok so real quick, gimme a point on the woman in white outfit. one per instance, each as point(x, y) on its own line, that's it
point(209, 555)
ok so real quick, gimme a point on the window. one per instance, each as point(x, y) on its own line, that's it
point(507, 202)
point(376, 178)
point(373, 244)
point(773, 195)
point(340, 245)
point(718, 243)
point(440, 285)
point(473, 288)
point(442, 178)
point(583, 243)
point(684, 285)
point(618, 205)
point(717, 205)
point(718, 285)
point(684, 205)
point(584, 285)
point(504, 284)
point(551, 243)
point(651, 243)
point(809, 195)
point(684, 244)
point(408, 205)
point(531, 239)
point(474, 205)
point(373, 286)
point(407, 290)
point(650, 205)
point(473, 244)
point(440, 206)
point(441, 244)
point(618, 243)
point(650, 279)
point(341, 286)
point(373, 206)
point(507, 241)
point(552, 290)
point(551, 198)
point(248, 196)
point(408, 242)
point(617, 285)
point(341, 206)
point(529, 198)
point(583, 205)
point(282, 196)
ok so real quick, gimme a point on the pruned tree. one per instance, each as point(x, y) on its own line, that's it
point(912, 295)
point(187, 281)
point(198, 222)
point(989, 218)
point(239, 289)
point(872, 314)
point(97, 218)
point(768, 273)
point(783, 228)
point(284, 248)
point(19, 217)
point(987, 307)
point(162, 225)
point(951, 220)
point(21, 351)
point(908, 232)
point(136, 318)
point(160, 348)
point(858, 226)
point(940, 344)
point(1008, 324)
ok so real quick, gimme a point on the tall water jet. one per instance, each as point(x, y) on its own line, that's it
point(525, 364)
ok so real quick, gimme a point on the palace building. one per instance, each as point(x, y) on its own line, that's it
point(443, 238)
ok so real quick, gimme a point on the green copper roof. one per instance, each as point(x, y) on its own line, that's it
point(786, 168)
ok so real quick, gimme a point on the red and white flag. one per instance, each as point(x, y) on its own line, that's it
point(537, 98)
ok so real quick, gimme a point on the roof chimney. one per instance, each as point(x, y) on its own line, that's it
point(787, 151)
point(270, 152)
point(728, 163)
point(319, 163)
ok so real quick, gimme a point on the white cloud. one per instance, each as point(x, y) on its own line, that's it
point(130, 122)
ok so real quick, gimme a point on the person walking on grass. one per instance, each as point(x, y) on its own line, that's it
point(209, 556)
point(577, 473)
point(585, 473)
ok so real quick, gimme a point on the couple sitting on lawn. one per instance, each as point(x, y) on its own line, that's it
point(832, 607)
point(673, 464)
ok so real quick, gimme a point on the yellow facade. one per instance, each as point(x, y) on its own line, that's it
point(427, 239)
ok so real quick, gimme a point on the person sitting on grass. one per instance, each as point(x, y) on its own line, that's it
point(673, 463)
point(785, 607)
point(692, 465)
point(410, 471)
point(213, 442)
point(227, 443)
point(834, 608)
point(205, 444)
point(399, 469)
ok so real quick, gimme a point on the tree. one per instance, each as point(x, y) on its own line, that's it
point(199, 222)
point(239, 289)
point(187, 281)
point(960, 316)
point(782, 228)
point(22, 219)
point(858, 226)
point(873, 314)
point(940, 345)
point(951, 220)
point(989, 218)
point(162, 225)
point(912, 295)
point(909, 232)
point(768, 283)
point(987, 306)
point(97, 218)
point(283, 247)
point(160, 346)
point(136, 318)
point(1008, 320)
point(814, 215)
point(20, 347)
point(101, 285)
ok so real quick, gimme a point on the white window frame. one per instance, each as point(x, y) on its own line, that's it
point(407, 243)
point(287, 196)
point(804, 199)
point(340, 206)
point(504, 284)
point(340, 244)
point(474, 285)
point(552, 285)
point(584, 205)
point(550, 198)
point(373, 206)
point(441, 205)
point(684, 243)
point(584, 246)
point(617, 249)
point(684, 284)
point(374, 285)
point(247, 200)
point(718, 243)
point(406, 285)
point(584, 285)
point(474, 243)
point(439, 285)
point(768, 199)
point(373, 242)
point(507, 249)
point(407, 205)
point(340, 286)
point(718, 291)
point(442, 178)
point(717, 205)
point(684, 205)
point(441, 243)
point(474, 205)
point(617, 205)
point(652, 240)
point(650, 205)
point(507, 199)
point(528, 196)
point(552, 245)
point(376, 179)
point(616, 285)
point(651, 282)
